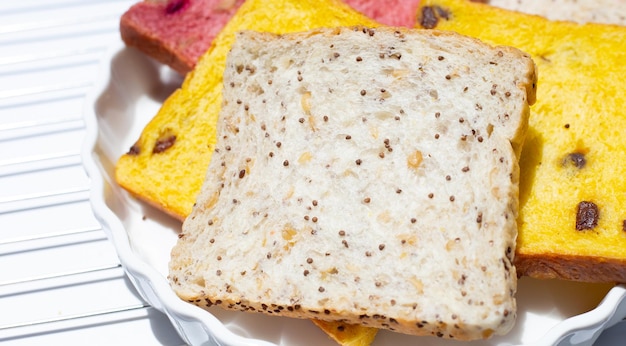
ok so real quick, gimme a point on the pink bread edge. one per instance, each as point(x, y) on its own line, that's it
point(177, 32)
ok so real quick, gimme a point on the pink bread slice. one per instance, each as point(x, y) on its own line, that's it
point(178, 32)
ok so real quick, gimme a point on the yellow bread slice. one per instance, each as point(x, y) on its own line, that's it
point(572, 222)
point(167, 164)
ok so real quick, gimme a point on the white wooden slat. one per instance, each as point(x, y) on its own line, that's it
point(62, 280)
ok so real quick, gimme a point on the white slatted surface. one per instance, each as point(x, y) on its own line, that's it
point(61, 281)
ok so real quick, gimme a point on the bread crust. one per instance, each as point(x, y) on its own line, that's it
point(571, 267)
point(135, 35)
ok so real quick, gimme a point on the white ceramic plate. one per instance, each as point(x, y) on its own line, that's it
point(130, 90)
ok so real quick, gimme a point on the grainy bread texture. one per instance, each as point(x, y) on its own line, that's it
point(572, 222)
point(580, 11)
point(166, 166)
point(363, 175)
point(178, 32)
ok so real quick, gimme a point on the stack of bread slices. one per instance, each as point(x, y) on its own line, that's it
point(365, 175)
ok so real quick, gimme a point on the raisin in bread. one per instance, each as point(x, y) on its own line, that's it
point(572, 222)
point(166, 165)
point(178, 32)
point(363, 175)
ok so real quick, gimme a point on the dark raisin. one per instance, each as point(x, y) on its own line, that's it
point(430, 16)
point(429, 19)
point(587, 215)
point(162, 144)
point(577, 159)
point(134, 150)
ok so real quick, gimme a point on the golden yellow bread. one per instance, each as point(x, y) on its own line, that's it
point(572, 222)
point(166, 166)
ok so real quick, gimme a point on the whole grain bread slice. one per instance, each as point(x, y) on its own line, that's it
point(368, 176)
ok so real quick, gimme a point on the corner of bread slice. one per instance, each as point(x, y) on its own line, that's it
point(363, 175)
